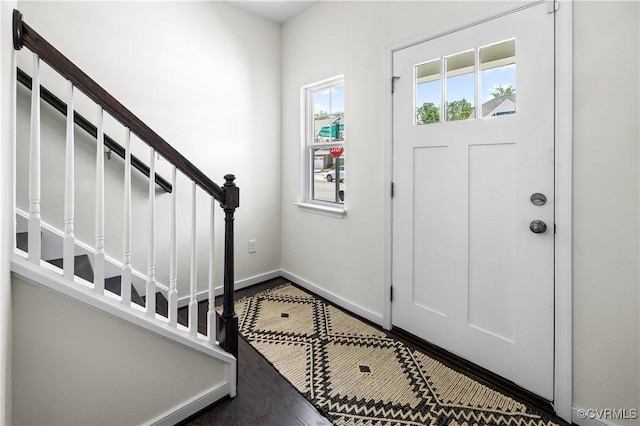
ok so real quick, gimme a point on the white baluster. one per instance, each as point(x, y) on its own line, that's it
point(68, 250)
point(193, 303)
point(151, 259)
point(98, 273)
point(173, 256)
point(211, 313)
point(34, 167)
point(125, 281)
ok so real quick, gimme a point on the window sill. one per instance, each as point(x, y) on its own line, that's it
point(337, 212)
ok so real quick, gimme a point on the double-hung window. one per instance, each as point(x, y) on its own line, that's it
point(323, 171)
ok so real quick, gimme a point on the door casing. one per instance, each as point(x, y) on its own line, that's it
point(563, 182)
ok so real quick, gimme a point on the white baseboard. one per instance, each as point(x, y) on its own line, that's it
point(333, 298)
point(257, 279)
point(584, 421)
point(247, 282)
point(591, 417)
point(192, 406)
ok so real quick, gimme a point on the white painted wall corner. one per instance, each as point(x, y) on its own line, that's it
point(333, 298)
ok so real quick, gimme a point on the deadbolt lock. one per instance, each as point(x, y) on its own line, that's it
point(538, 199)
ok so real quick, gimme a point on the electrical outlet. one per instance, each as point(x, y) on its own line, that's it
point(252, 246)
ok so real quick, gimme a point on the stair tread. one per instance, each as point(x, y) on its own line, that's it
point(113, 284)
point(203, 307)
point(82, 266)
point(22, 241)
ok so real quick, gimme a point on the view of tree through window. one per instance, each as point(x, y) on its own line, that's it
point(428, 92)
point(460, 96)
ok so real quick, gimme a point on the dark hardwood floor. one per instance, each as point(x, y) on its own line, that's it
point(263, 396)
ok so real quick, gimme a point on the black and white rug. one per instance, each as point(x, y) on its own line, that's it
point(355, 375)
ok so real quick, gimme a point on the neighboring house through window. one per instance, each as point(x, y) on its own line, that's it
point(323, 138)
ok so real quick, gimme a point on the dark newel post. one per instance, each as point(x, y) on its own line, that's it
point(17, 30)
point(228, 321)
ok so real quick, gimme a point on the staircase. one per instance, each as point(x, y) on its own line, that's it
point(88, 277)
point(84, 270)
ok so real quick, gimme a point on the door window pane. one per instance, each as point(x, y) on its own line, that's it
point(460, 97)
point(428, 92)
point(498, 79)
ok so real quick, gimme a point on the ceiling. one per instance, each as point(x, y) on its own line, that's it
point(277, 11)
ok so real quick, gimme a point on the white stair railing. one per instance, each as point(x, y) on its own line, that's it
point(125, 278)
point(34, 226)
point(151, 249)
point(172, 298)
point(193, 282)
point(69, 244)
point(98, 264)
point(211, 313)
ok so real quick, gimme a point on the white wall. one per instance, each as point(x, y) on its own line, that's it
point(66, 373)
point(7, 129)
point(605, 197)
point(203, 75)
point(345, 257)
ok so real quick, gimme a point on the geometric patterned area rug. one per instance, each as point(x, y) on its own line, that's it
point(354, 374)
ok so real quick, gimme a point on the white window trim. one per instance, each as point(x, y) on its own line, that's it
point(321, 209)
point(305, 202)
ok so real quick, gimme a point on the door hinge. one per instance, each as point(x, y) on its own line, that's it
point(553, 6)
point(393, 83)
point(392, 189)
point(391, 293)
point(555, 229)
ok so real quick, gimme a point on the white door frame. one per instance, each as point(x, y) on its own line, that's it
point(563, 182)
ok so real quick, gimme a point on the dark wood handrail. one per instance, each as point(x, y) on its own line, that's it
point(24, 35)
point(57, 104)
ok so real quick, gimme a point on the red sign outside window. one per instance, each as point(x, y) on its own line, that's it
point(336, 151)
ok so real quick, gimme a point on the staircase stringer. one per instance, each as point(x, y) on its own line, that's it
point(46, 277)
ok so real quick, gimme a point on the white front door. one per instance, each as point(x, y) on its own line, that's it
point(473, 141)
